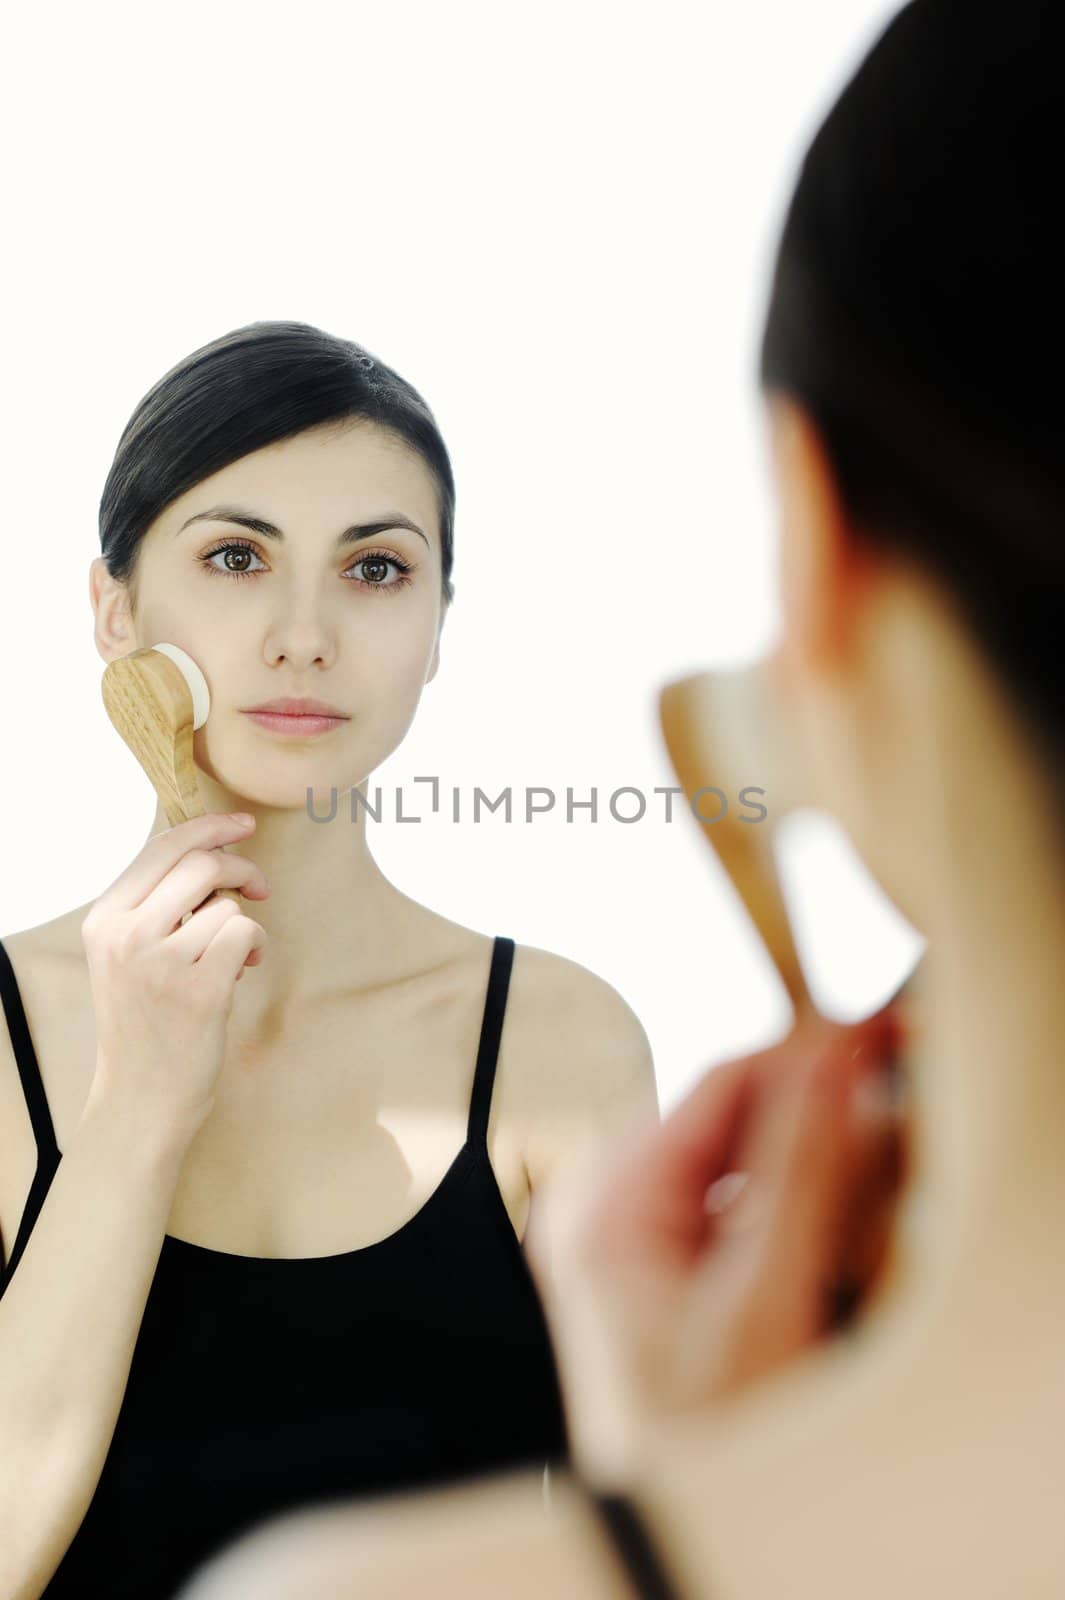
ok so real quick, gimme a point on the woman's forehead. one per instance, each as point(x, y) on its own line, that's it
point(321, 477)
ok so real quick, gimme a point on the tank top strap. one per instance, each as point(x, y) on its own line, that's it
point(627, 1531)
point(495, 1005)
point(28, 1068)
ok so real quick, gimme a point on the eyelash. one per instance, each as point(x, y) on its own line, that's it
point(403, 567)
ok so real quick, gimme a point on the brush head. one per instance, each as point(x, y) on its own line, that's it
point(201, 698)
point(156, 697)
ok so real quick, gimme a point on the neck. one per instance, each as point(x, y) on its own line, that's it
point(333, 921)
point(978, 1239)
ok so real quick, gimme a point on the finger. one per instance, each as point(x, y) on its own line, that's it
point(191, 884)
point(645, 1193)
point(163, 850)
point(805, 1155)
point(758, 1149)
point(653, 1189)
point(701, 1131)
point(223, 960)
point(657, 1185)
point(800, 1158)
point(193, 939)
point(878, 1161)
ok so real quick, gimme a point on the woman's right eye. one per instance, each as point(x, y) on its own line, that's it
point(222, 549)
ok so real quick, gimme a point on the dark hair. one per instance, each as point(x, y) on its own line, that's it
point(916, 312)
point(247, 389)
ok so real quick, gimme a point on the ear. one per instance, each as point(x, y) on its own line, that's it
point(114, 632)
point(822, 568)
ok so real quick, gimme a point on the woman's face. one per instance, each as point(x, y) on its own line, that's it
point(295, 611)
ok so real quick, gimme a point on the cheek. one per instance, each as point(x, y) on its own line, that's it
point(184, 614)
point(190, 630)
point(393, 679)
point(397, 639)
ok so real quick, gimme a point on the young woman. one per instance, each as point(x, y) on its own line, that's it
point(912, 362)
point(262, 1239)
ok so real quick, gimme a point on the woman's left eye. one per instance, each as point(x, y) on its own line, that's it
point(375, 561)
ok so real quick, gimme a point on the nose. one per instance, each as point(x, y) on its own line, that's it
point(301, 640)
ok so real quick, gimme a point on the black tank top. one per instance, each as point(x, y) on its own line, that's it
point(260, 1383)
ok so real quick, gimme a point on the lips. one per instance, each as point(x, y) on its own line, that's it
point(299, 708)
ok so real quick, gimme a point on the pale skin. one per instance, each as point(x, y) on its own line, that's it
point(924, 1456)
point(351, 1047)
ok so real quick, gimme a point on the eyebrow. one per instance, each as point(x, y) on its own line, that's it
point(352, 535)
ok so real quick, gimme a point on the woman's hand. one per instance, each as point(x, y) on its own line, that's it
point(664, 1295)
point(165, 955)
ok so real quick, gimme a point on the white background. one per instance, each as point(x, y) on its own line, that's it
point(557, 222)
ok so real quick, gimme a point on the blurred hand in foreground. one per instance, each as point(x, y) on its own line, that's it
point(700, 1253)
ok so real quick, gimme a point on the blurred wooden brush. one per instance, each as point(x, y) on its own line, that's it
point(722, 730)
point(725, 731)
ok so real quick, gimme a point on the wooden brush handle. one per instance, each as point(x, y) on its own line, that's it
point(703, 720)
point(706, 720)
point(723, 730)
point(198, 811)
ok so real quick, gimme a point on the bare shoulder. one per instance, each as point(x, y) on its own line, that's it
point(576, 1027)
point(44, 966)
point(56, 942)
point(587, 1070)
point(570, 1039)
point(567, 1006)
point(47, 960)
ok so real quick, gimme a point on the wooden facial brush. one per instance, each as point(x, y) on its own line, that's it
point(726, 731)
point(725, 726)
point(156, 698)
